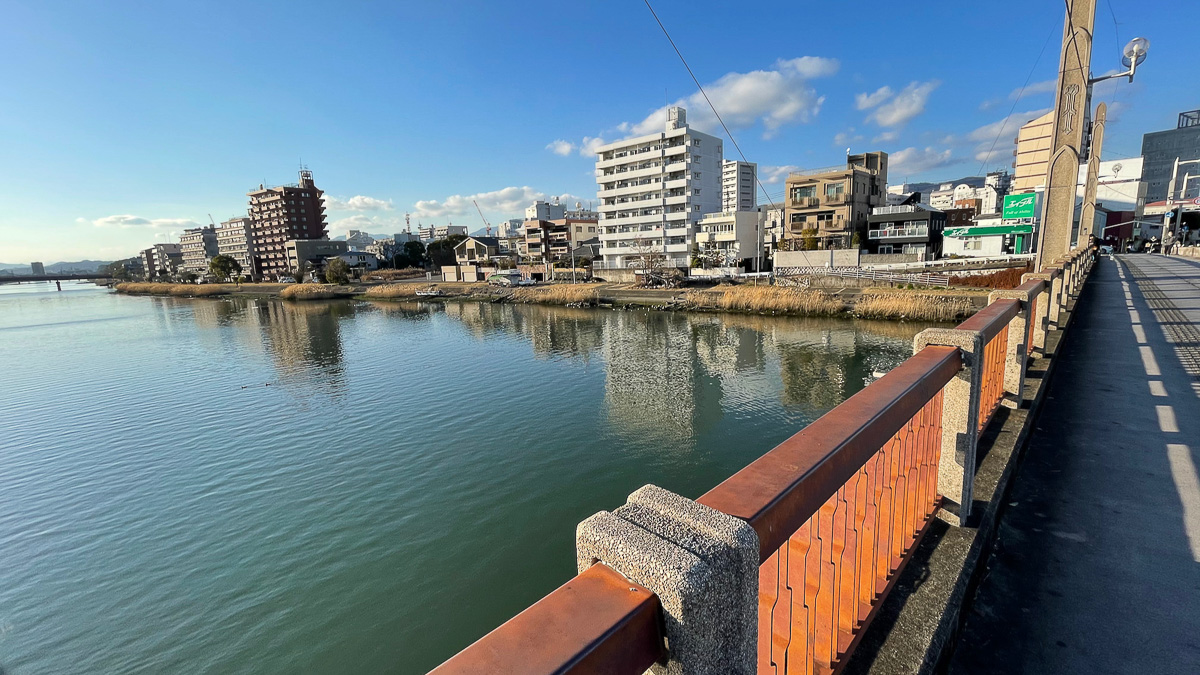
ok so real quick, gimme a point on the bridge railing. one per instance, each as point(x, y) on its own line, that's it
point(781, 567)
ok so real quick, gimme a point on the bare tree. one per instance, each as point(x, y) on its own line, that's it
point(648, 259)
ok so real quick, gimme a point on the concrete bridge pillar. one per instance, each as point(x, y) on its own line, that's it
point(960, 420)
point(702, 564)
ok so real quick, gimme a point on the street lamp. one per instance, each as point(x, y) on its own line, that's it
point(1131, 57)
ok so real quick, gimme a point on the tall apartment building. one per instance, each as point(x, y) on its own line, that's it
point(165, 257)
point(198, 245)
point(234, 240)
point(1032, 155)
point(738, 181)
point(834, 202)
point(1160, 151)
point(654, 189)
point(282, 214)
point(37, 269)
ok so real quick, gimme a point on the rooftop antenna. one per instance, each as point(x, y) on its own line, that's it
point(407, 224)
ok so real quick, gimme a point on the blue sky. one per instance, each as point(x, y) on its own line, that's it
point(121, 122)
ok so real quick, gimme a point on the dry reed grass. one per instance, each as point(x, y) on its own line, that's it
point(392, 275)
point(178, 290)
point(558, 294)
point(393, 291)
point(766, 300)
point(307, 292)
point(913, 306)
point(1005, 278)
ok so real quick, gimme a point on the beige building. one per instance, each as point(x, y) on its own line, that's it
point(234, 240)
point(728, 238)
point(1032, 154)
point(835, 201)
point(312, 251)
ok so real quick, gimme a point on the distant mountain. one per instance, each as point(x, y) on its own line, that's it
point(59, 267)
point(926, 188)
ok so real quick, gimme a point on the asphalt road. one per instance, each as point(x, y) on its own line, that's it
point(1096, 567)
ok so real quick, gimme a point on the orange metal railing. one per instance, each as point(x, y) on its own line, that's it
point(992, 380)
point(837, 508)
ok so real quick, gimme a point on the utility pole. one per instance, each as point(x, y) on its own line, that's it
point(1087, 213)
point(1070, 117)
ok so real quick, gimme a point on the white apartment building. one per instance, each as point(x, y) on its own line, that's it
point(738, 180)
point(729, 237)
point(435, 232)
point(654, 189)
point(198, 245)
point(949, 194)
point(234, 240)
point(541, 210)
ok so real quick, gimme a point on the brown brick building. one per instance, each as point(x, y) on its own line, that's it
point(281, 214)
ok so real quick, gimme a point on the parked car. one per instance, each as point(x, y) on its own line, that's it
point(526, 282)
point(504, 279)
point(286, 280)
point(1106, 249)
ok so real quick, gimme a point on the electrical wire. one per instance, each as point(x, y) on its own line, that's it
point(1017, 100)
point(705, 94)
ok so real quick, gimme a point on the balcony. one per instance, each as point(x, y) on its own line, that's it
point(899, 232)
point(804, 202)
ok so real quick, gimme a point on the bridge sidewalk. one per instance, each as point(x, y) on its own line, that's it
point(1096, 567)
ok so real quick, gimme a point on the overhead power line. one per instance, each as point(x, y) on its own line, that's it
point(1016, 100)
point(705, 94)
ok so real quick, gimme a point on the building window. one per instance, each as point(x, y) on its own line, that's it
point(833, 190)
point(803, 192)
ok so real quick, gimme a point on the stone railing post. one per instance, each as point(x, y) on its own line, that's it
point(1053, 277)
point(960, 420)
point(702, 564)
point(1016, 353)
point(1041, 311)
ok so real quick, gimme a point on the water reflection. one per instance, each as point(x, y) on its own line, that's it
point(668, 376)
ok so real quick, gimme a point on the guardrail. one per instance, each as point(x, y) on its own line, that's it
point(863, 273)
point(781, 567)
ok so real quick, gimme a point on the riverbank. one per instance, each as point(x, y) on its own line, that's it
point(871, 302)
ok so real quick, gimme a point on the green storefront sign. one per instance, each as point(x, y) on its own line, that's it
point(1020, 206)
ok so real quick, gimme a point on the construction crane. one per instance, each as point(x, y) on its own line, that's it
point(485, 220)
point(210, 219)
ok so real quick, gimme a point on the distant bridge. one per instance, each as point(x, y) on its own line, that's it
point(5, 279)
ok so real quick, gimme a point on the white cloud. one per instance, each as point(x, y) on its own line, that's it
point(1006, 127)
point(911, 161)
point(356, 203)
point(847, 137)
point(588, 146)
point(774, 174)
point(776, 97)
point(904, 106)
point(509, 200)
point(886, 137)
point(560, 147)
point(865, 100)
point(1044, 87)
point(126, 222)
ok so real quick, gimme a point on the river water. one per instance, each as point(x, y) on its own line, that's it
point(253, 486)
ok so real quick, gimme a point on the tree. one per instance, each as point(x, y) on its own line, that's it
point(337, 271)
point(222, 267)
point(856, 241)
point(649, 260)
point(190, 277)
point(162, 274)
point(809, 238)
point(441, 251)
point(118, 270)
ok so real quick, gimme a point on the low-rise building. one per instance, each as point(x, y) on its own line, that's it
point(910, 229)
point(985, 239)
point(363, 261)
point(728, 239)
point(833, 203)
point(475, 250)
point(435, 232)
point(313, 252)
point(198, 245)
point(234, 240)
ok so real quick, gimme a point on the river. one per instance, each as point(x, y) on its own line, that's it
point(253, 486)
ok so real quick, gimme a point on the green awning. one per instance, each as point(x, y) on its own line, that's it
point(986, 230)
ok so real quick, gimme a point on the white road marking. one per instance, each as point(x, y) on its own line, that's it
point(1166, 419)
point(1148, 361)
point(1134, 316)
point(1183, 471)
point(1157, 388)
point(1139, 333)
